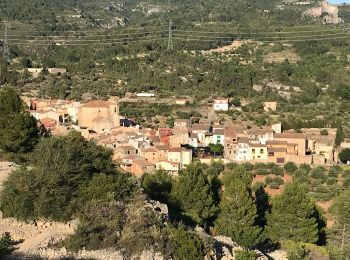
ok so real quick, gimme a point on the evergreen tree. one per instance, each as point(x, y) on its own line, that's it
point(292, 217)
point(193, 192)
point(186, 245)
point(238, 215)
point(339, 136)
point(18, 129)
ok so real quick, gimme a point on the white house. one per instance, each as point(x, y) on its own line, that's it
point(221, 104)
point(243, 153)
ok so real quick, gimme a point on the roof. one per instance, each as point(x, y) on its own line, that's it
point(142, 162)
point(258, 145)
point(219, 132)
point(277, 149)
point(175, 150)
point(173, 163)
point(230, 133)
point(290, 136)
point(275, 142)
point(96, 103)
point(126, 148)
point(260, 131)
point(200, 127)
point(243, 140)
point(182, 120)
point(150, 150)
point(47, 120)
point(194, 135)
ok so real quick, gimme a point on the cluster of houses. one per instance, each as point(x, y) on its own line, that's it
point(140, 150)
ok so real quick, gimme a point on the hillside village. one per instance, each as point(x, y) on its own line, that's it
point(141, 150)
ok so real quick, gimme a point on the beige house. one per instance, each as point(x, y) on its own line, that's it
point(181, 101)
point(270, 106)
point(258, 152)
point(181, 156)
point(99, 115)
point(293, 138)
point(170, 167)
point(182, 123)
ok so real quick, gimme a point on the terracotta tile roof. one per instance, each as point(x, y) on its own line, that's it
point(257, 145)
point(96, 103)
point(150, 150)
point(290, 135)
point(276, 149)
point(219, 132)
point(275, 142)
point(243, 140)
point(142, 162)
point(260, 131)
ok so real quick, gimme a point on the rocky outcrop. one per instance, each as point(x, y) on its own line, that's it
point(326, 11)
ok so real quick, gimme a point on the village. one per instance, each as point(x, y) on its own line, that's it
point(139, 150)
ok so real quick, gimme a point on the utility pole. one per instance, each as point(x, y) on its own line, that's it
point(170, 39)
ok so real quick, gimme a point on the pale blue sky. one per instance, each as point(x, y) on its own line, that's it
point(339, 1)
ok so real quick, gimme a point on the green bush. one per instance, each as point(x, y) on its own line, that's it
point(305, 167)
point(334, 171)
point(290, 167)
point(245, 255)
point(277, 170)
point(319, 173)
point(331, 181)
point(186, 245)
point(346, 182)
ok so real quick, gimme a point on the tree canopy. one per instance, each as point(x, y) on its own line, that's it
point(292, 217)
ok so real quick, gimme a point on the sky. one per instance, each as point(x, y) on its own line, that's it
point(339, 1)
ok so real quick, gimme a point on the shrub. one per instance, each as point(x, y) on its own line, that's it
point(331, 181)
point(344, 156)
point(334, 171)
point(268, 180)
point(187, 245)
point(278, 180)
point(305, 167)
point(318, 173)
point(324, 132)
point(274, 185)
point(346, 182)
point(245, 255)
point(262, 171)
point(277, 170)
point(290, 167)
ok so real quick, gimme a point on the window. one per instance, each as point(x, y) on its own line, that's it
point(253, 151)
point(261, 151)
point(115, 109)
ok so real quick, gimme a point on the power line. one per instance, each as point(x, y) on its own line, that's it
point(170, 38)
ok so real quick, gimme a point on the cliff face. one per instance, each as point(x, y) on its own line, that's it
point(326, 11)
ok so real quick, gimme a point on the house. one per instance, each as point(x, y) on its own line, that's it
point(182, 123)
point(295, 138)
point(270, 106)
point(124, 151)
point(243, 151)
point(218, 136)
point(261, 135)
point(181, 101)
point(170, 167)
point(258, 152)
point(145, 95)
point(221, 104)
point(181, 156)
point(99, 115)
point(277, 155)
point(49, 123)
point(140, 167)
point(36, 71)
point(153, 155)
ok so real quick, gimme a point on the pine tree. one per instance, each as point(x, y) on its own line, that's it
point(292, 217)
point(238, 214)
point(339, 136)
point(194, 194)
